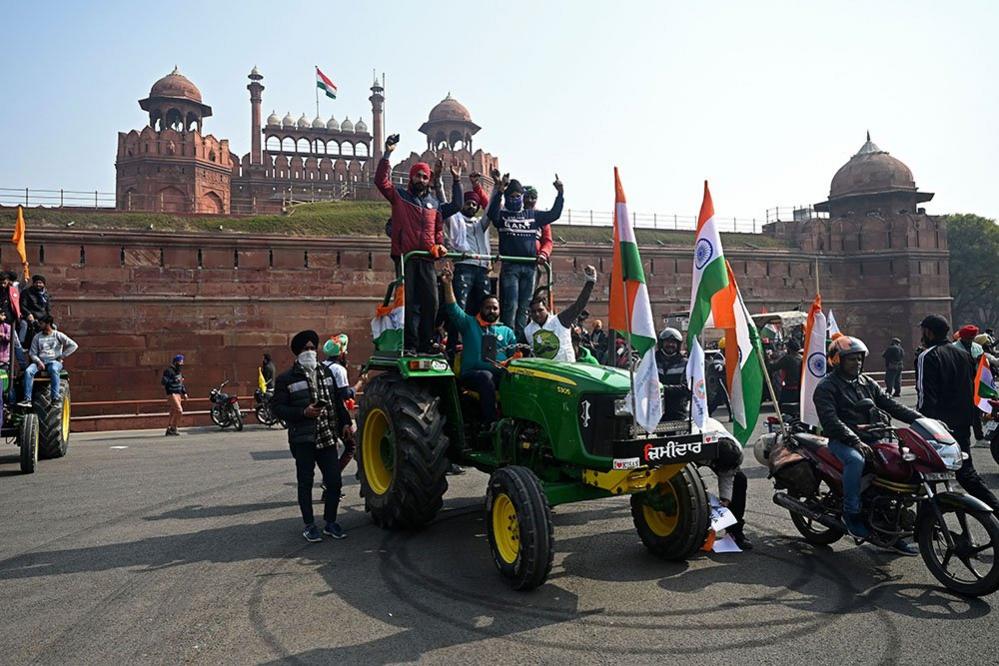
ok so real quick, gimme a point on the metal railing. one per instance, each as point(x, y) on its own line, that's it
point(28, 197)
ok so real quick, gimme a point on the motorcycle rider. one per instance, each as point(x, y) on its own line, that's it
point(672, 366)
point(836, 399)
point(789, 367)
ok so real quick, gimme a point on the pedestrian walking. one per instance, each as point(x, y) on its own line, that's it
point(893, 356)
point(176, 393)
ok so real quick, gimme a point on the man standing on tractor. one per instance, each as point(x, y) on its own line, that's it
point(173, 384)
point(517, 228)
point(551, 336)
point(672, 366)
point(416, 225)
point(305, 398)
point(477, 373)
point(467, 234)
point(48, 350)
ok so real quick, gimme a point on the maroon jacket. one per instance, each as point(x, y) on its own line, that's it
point(416, 221)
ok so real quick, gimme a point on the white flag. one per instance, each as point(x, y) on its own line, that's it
point(833, 326)
point(813, 367)
point(695, 379)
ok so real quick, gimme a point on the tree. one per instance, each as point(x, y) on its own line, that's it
point(974, 269)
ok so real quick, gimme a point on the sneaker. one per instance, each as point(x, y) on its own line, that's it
point(25, 403)
point(903, 547)
point(854, 524)
point(334, 530)
point(740, 539)
point(172, 432)
point(455, 470)
point(312, 534)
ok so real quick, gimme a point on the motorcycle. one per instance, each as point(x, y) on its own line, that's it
point(957, 535)
point(224, 411)
point(262, 409)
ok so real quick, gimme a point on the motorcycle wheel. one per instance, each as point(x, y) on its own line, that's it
point(814, 532)
point(216, 415)
point(970, 568)
point(994, 446)
point(259, 411)
point(236, 418)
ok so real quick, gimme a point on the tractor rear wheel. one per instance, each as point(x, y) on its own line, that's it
point(53, 421)
point(519, 522)
point(27, 439)
point(402, 460)
point(672, 518)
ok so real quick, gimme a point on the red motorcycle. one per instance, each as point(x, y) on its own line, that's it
point(908, 491)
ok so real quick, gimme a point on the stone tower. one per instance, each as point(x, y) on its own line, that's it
point(256, 96)
point(449, 125)
point(377, 100)
point(168, 165)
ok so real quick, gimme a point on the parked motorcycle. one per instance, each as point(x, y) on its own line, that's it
point(224, 410)
point(909, 490)
point(262, 409)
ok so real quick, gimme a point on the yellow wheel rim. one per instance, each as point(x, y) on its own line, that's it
point(377, 452)
point(65, 417)
point(506, 530)
point(660, 522)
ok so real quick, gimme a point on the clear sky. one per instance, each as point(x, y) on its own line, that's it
point(764, 99)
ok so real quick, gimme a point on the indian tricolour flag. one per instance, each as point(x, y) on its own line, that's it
point(985, 386)
point(324, 83)
point(387, 326)
point(813, 366)
point(631, 314)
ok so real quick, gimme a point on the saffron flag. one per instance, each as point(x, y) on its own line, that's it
point(813, 367)
point(387, 325)
point(631, 314)
point(324, 83)
point(18, 240)
point(985, 386)
point(743, 357)
point(832, 325)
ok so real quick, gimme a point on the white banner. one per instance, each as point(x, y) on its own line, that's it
point(695, 379)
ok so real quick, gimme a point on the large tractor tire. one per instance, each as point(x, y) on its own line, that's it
point(519, 522)
point(403, 453)
point(27, 439)
point(53, 421)
point(672, 518)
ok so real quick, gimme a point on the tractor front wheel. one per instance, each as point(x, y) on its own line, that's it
point(402, 460)
point(27, 439)
point(519, 522)
point(672, 518)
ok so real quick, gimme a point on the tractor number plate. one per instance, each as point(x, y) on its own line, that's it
point(655, 451)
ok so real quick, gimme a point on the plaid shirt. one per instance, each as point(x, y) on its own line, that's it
point(327, 430)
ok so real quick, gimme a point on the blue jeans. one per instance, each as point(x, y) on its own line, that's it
point(516, 291)
point(52, 368)
point(853, 469)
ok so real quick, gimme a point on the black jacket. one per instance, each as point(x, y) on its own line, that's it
point(173, 381)
point(673, 376)
point(946, 376)
point(291, 397)
point(35, 302)
point(893, 354)
point(268, 371)
point(835, 402)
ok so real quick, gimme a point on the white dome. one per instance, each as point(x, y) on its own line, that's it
point(360, 127)
point(346, 125)
point(288, 121)
point(332, 124)
point(273, 119)
point(303, 122)
point(318, 123)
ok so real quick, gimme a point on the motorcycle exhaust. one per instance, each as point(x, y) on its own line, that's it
point(791, 504)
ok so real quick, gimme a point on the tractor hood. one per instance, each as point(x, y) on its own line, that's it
point(581, 376)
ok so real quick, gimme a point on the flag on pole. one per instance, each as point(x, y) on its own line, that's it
point(18, 240)
point(813, 369)
point(710, 275)
point(743, 357)
point(985, 386)
point(631, 314)
point(261, 382)
point(833, 326)
point(324, 83)
point(695, 379)
point(387, 325)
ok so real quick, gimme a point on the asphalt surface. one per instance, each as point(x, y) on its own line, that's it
point(137, 548)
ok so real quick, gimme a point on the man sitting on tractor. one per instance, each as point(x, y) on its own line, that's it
point(477, 373)
point(48, 350)
point(551, 336)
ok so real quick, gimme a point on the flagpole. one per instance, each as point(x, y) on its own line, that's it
point(317, 92)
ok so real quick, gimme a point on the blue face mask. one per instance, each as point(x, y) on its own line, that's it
point(515, 202)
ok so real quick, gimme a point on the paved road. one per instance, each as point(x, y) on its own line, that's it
point(142, 549)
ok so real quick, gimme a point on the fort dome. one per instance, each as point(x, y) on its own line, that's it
point(177, 86)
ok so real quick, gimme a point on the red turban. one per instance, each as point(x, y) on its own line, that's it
point(968, 332)
point(419, 166)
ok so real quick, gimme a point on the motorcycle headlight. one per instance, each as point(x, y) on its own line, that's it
point(951, 456)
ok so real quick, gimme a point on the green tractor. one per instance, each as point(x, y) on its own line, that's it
point(39, 431)
point(564, 434)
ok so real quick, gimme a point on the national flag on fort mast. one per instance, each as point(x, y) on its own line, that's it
point(18, 240)
point(324, 83)
point(631, 313)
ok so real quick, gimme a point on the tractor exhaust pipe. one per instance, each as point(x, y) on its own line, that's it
point(791, 504)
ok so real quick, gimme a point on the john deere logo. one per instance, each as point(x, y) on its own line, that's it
point(703, 253)
point(817, 364)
